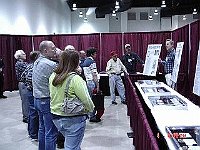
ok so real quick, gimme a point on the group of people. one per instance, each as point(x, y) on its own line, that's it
point(42, 88)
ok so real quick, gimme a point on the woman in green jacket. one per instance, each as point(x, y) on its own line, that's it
point(72, 126)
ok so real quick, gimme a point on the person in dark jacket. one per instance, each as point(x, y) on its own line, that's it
point(1, 79)
point(130, 59)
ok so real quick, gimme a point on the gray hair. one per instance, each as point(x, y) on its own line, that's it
point(18, 54)
point(69, 47)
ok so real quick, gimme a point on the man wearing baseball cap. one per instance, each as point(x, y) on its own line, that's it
point(130, 59)
point(114, 68)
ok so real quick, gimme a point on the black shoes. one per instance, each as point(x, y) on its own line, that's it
point(95, 119)
point(3, 96)
point(124, 102)
point(113, 102)
point(60, 145)
point(25, 119)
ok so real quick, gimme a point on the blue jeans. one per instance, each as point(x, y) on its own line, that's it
point(25, 103)
point(33, 123)
point(47, 130)
point(116, 81)
point(73, 130)
point(91, 86)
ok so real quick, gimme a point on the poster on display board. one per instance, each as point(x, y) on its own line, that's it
point(196, 87)
point(177, 61)
point(151, 61)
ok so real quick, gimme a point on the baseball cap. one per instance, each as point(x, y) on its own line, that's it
point(113, 53)
point(127, 45)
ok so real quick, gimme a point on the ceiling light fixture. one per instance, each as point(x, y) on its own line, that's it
point(85, 20)
point(156, 12)
point(113, 13)
point(194, 11)
point(80, 14)
point(117, 5)
point(163, 4)
point(184, 17)
point(150, 17)
point(74, 7)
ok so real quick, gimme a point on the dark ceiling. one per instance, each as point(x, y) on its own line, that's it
point(174, 7)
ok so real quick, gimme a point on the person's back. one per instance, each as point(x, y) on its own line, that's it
point(65, 83)
point(42, 69)
point(88, 66)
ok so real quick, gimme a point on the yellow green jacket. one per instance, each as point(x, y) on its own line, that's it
point(77, 87)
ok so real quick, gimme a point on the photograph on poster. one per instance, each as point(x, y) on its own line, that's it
point(151, 61)
point(155, 90)
point(170, 101)
point(148, 82)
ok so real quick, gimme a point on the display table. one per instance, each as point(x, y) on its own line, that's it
point(174, 111)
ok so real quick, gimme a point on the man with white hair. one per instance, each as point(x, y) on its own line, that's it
point(42, 69)
point(130, 59)
point(69, 47)
point(20, 67)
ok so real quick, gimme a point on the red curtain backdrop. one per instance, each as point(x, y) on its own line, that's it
point(61, 41)
point(194, 39)
point(105, 43)
point(109, 42)
point(92, 40)
point(182, 35)
point(8, 45)
point(139, 43)
point(39, 38)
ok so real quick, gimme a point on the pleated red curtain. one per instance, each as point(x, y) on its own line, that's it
point(109, 42)
point(182, 35)
point(194, 39)
point(9, 44)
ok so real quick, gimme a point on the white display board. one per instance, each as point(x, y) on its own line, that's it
point(177, 61)
point(151, 61)
point(196, 87)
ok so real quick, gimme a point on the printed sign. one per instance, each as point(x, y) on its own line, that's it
point(151, 61)
point(177, 61)
point(196, 87)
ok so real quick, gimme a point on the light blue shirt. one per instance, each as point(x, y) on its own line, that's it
point(42, 69)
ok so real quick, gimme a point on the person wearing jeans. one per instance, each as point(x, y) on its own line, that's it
point(47, 130)
point(114, 69)
point(91, 76)
point(33, 122)
point(20, 67)
point(65, 82)
point(42, 69)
